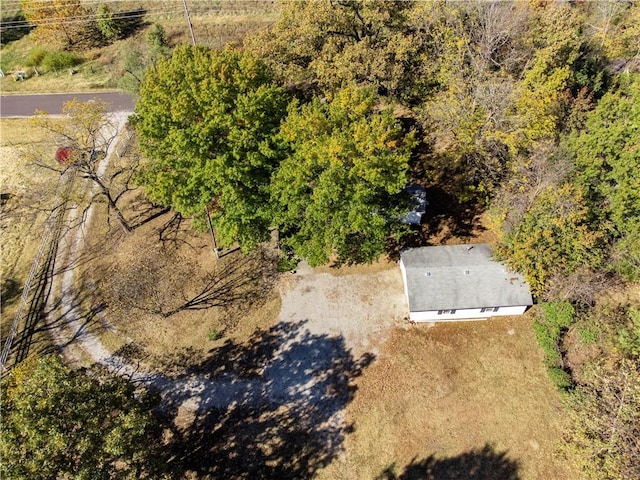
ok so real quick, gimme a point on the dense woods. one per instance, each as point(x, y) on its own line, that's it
point(527, 110)
point(530, 110)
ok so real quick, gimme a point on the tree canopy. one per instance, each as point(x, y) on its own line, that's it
point(608, 161)
point(326, 44)
point(56, 21)
point(555, 236)
point(338, 191)
point(207, 121)
point(589, 213)
point(59, 423)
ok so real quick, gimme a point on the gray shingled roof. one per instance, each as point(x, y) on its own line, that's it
point(460, 276)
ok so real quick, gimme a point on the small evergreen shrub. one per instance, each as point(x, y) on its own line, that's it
point(214, 334)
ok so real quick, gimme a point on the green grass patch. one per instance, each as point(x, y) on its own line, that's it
point(588, 335)
point(214, 334)
point(550, 327)
point(13, 56)
point(57, 61)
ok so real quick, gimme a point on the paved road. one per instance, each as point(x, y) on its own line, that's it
point(26, 105)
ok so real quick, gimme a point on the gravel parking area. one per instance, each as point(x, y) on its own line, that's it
point(359, 307)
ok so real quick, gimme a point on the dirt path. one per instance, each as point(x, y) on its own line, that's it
point(324, 317)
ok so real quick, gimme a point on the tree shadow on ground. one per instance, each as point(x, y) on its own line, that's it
point(449, 215)
point(130, 21)
point(162, 282)
point(482, 464)
point(446, 217)
point(143, 211)
point(10, 291)
point(45, 329)
point(13, 27)
point(244, 280)
point(272, 408)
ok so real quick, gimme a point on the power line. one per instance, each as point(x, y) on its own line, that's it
point(186, 12)
point(81, 19)
point(119, 16)
point(45, 4)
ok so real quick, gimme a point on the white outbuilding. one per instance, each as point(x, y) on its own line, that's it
point(460, 282)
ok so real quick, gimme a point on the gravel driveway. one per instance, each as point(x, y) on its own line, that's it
point(360, 307)
point(326, 334)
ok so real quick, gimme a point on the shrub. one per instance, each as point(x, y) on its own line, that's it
point(604, 417)
point(628, 341)
point(214, 334)
point(54, 61)
point(549, 328)
point(287, 262)
point(107, 24)
point(156, 38)
point(560, 378)
point(35, 57)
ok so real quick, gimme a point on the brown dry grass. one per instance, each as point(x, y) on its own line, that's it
point(58, 83)
point(379, 265)
point(215, 27)
point(21, 221)
point(453, 389)
point(182, 339)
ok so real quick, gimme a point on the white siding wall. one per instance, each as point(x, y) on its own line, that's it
point(464, 314)
point(404, 281)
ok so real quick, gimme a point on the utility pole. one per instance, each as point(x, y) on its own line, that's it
point(213, 236)
point(186, 12)
point(206, 210)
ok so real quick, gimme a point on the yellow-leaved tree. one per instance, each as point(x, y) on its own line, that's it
point(59, 23)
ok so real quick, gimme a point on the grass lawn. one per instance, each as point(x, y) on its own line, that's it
point(457, 401)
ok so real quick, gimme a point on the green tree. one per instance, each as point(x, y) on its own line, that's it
point(134, 60)
point(334, 194)
point(156, 39)
point(206, 121)
point(107, 24)
point(555, 236)
point(555, 40)
point(608, 159)
point(59, 423)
